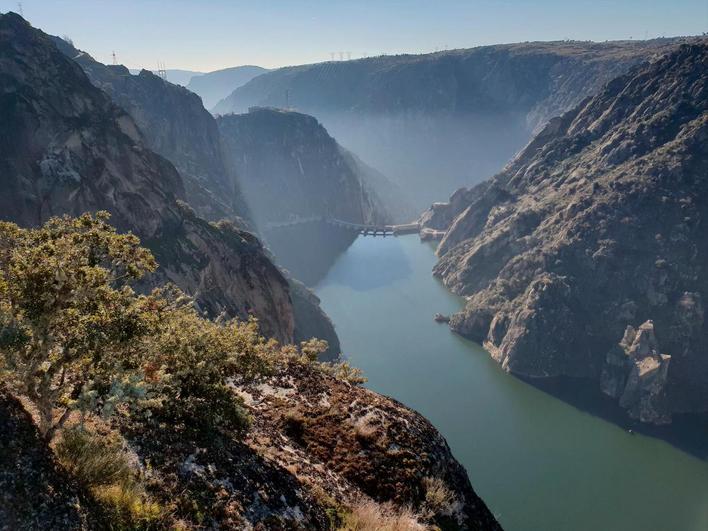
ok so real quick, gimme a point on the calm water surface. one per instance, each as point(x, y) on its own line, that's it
point(538, 462)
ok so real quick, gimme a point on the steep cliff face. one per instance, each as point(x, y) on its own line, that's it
point(66, 148)
point(597, 227)
point(435, 122)
point(290, 168)
point(174, 124)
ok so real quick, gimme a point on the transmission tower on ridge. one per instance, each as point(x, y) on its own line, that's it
point(19, 9)
point(161, 70)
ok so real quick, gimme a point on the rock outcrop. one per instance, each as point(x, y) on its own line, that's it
point(596, 226)
point(435, 122)
point(354, 444)
point(635, 372)
point(65, 148)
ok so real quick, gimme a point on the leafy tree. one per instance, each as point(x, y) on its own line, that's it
point(75, 336)
point(69, 320)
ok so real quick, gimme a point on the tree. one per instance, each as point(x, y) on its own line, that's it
point(69, 319)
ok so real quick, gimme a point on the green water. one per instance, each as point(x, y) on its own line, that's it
point(538, 462)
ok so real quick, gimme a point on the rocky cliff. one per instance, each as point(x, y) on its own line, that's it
point(320, 454)
point(435, 122)
point(290, 168)
point(174, 124)
point(585, 255)
point(66, 148)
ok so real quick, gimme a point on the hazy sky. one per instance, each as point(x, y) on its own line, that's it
point(211, 34)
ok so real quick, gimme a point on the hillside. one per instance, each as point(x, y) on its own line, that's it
point(126, 409)
point(585, 256)
point(214, 86)
point(435, 122)
point(175, 76)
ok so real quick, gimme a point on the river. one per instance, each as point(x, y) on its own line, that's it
point(537, 461)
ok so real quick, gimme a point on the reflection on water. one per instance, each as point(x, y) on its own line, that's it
point(369, 267)
point(539, 462)
point(687, 432)
point(309, 250)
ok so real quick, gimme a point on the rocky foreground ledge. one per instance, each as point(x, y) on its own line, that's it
point(321, 453)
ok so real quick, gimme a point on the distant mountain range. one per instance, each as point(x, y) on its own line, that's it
point(435, 122)
point(214, 86)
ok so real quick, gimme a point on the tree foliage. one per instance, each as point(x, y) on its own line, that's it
point(76, 336)
point(69, 319)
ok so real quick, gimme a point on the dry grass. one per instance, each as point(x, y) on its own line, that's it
point(371, 516)
point(439, 499)
point(100, 464)
point(364, 430)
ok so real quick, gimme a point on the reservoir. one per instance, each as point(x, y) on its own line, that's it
point(538, 462)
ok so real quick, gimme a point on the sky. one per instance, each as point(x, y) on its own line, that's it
point(212, 34)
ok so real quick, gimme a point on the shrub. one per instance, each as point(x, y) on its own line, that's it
point(75, 336)
point(294, 425)
point(371, 516)
point(94, 461)
point(68, 316)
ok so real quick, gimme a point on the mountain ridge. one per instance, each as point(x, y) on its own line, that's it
point(591, 239)
point(435, 122)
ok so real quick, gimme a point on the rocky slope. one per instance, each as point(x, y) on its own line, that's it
point(66, 148)
point(174, 124)
point(212, 87)
point(435, 122)
point(318, 449)
point(585, 256)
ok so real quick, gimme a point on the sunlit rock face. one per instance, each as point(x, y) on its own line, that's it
point(65, 148)
point(598, 225)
